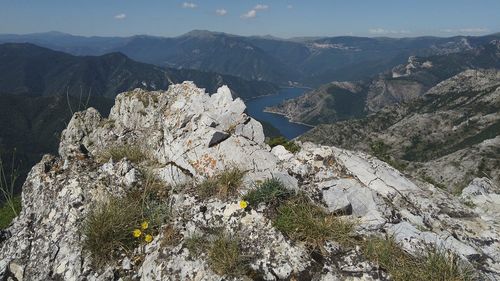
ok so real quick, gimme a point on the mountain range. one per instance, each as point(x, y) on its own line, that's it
point(32, 70)
point(306, 61)
point(448, 136)
point(40, 89)
point(338, 101)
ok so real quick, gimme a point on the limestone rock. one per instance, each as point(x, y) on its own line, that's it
point(174, 129)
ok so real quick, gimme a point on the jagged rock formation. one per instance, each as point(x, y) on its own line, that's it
point(189, 135)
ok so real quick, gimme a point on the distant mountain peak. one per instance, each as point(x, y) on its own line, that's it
point(200, 33)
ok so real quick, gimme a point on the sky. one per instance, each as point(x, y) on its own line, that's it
point(281, 18)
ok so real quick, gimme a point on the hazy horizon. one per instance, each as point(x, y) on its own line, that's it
point(279, 18)
point(251, 35)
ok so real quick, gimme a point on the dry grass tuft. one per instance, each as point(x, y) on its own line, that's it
point(432, 265)
point(222, 185)
point(117, 153)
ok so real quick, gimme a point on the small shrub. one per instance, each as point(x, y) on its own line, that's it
point(289, 145)
point(225, 258)
point(131, 152)
point(431, 265)
point(301, 220)
point(271, 191)
point(222, 185)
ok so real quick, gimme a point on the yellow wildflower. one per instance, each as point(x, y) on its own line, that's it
point(148, 238)
point(136, 233)
point(145, 225)
point(243, 204)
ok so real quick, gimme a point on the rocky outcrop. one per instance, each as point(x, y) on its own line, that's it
point(187, 136)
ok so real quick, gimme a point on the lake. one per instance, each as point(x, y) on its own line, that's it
point(255, 108)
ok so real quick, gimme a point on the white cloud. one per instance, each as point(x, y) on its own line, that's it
point(189, 5)
point(260, 7)
point(466, 30)
point(253, 12)
point(380, 31)
point(289, 7)
point(221, 12)
point(120, 16)
point(249, 15)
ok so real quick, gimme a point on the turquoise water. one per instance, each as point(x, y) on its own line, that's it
point(256, 106)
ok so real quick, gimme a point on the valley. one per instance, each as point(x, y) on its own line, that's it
point(256, 108)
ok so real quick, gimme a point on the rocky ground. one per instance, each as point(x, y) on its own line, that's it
point(187, 136)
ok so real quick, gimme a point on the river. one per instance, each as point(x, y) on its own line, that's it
point(255, 108)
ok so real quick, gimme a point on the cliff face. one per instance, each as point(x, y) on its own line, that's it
point(186, 136)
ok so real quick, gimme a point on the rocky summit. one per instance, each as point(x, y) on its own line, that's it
point(186, 139)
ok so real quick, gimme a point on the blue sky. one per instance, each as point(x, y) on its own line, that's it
point(283, 18)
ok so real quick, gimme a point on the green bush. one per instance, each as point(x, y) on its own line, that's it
point(301, 220)
point(430, 265)
point(271, 191)
point(289, 145)
point(222, 185)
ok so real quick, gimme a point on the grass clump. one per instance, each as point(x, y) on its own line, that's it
point(11, 203)
point(430, 265)
point(301, 220)
point(225, 258)
point(196, 244)
point(119, 225)
point(289, 145)
point(223, 252)
point(8, 212)
point(131, 152)
point(108, 229)
point(271, 191)
point(222, 185)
